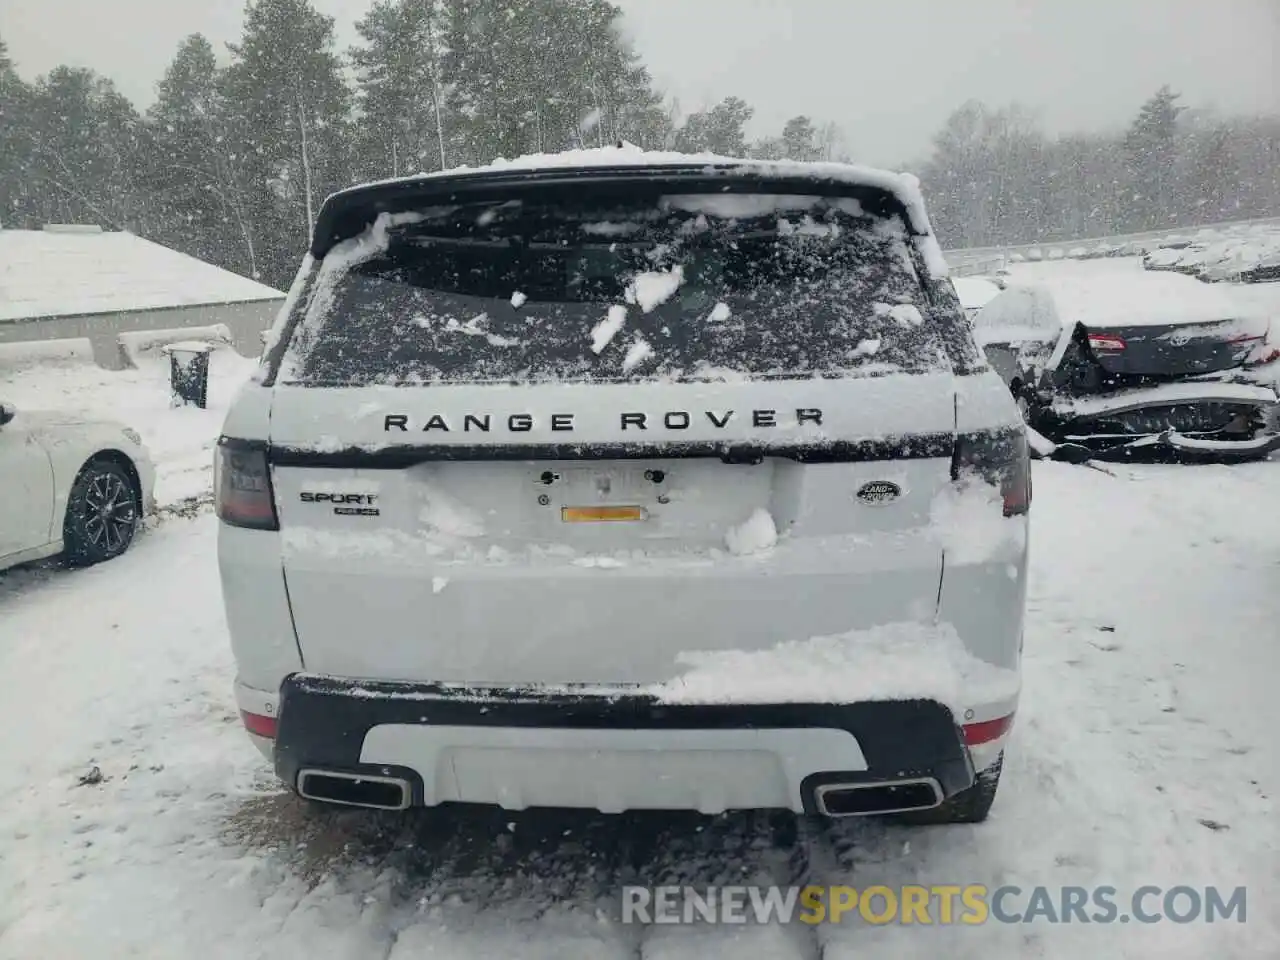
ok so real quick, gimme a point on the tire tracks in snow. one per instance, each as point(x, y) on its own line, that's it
point(466, 883)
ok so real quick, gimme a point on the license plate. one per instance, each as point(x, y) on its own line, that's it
point(602, 514)
point(616, 483)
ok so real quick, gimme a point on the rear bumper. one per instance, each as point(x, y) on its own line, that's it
point(611, 753)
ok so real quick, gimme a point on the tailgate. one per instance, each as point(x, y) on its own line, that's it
point(564, 432)
point(538, 559)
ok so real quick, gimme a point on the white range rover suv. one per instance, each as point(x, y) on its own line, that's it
point(617, 480)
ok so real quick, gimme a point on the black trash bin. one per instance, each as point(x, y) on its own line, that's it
point(189, 373)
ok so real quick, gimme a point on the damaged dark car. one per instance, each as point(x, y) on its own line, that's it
point(1170, 370)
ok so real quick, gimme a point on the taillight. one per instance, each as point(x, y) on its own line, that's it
point(1105, 343)
point(987, 731)
point(262, 726)
point(1000, 459)
point(242, 486)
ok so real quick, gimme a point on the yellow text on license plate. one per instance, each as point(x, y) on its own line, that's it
point(601, 514)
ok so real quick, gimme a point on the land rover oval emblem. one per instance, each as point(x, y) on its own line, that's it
point(879, 492)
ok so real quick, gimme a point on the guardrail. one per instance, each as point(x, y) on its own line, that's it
point(966, 256)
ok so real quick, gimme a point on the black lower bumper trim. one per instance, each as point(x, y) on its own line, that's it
point(323, 722)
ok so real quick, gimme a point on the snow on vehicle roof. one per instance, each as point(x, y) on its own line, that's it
point(1121, 293)
point(59, 273)
point(905, 187)
point(1023, 313)
point(975, 291)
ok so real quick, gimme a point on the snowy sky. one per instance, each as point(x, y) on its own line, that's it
point(888, 72)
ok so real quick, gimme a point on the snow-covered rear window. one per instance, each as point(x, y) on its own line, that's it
point(617, 285)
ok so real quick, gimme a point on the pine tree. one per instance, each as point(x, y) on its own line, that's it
point(767, 148)
point(720, 130)
point(799, 139)
point(290, 110)
point(622, 100)
point(85, 148)
point(542, 75)
point(203, 208)
point(15, 147)
point(403, 114)
point(1151, 149)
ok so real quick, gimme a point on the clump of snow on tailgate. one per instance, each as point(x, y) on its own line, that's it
point(607, 229)
point(332, 544)
point(327, 443)
point(807, 228)
point(968, 519)
point(654, 287)
point(724, 206)
point(638, 353)
point(755, 535)
point(890, 662)
point(475, 327)
point(603, 332)
point(446, 517)
point(865, 348)
point(907, 314)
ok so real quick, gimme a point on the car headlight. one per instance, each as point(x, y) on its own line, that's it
point(133, 436)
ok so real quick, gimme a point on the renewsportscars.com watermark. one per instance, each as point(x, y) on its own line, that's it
point(941, 904)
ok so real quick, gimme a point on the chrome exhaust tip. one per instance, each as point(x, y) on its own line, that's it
point(355, 789)
point(876, 798)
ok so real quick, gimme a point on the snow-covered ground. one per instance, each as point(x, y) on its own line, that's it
point(1144, 754)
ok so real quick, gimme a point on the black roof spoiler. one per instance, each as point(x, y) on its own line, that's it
point(350, 212)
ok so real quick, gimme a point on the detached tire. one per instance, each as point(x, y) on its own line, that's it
point(967, 806)
point(102, 517)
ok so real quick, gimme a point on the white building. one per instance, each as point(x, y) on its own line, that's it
point(78, 281)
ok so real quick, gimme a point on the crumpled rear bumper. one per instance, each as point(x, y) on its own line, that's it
point(1191, 423)
point(1253, 449)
